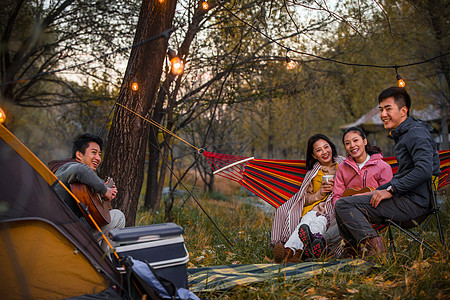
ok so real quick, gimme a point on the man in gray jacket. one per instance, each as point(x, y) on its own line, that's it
point(407, 195)
point(86, 157)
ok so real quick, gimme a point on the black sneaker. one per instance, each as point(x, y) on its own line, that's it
point(318, 247)
point(305, 235)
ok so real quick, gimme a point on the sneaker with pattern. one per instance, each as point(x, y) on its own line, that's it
point(318, 247)
point(305, 235)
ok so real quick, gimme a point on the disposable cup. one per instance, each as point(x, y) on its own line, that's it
point(327, 177)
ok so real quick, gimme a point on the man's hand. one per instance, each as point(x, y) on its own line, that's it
point(378, 196)
point(110, 193)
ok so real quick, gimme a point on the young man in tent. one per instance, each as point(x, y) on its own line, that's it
point(81, 168)
point(407, 195)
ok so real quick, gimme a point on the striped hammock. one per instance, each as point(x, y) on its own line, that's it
point(276, 180)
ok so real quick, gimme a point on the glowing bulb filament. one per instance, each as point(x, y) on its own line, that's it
point(177, 66)
point(400, 81)
point(135, 86)
point(205, 5)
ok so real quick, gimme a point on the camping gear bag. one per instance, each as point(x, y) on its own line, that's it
point(161, 245)
point(143, 281)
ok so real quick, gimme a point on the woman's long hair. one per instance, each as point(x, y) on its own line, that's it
point(310, 160)
point(369, 148)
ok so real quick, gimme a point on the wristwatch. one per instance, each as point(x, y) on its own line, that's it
point(390, 189)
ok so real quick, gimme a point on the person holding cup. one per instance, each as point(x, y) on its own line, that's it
point(299, 224)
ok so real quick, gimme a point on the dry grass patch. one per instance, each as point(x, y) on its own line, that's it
point(409, 273)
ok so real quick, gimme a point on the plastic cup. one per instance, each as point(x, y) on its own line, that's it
point(327, 177)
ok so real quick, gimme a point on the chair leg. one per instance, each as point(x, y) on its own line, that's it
point(441, 234)
point(436, 211)
point(423, 242)
point(391, 239)
point(438, 219)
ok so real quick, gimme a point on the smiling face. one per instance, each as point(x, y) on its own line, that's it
point(322, 152)
point(390, 114)
point(355, 146)
point(91, 157)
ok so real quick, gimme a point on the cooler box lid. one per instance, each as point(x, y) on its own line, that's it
point(146, 233)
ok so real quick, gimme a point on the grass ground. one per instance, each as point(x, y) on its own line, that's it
point(409, 273)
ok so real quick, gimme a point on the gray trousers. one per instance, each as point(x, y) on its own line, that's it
point(332, 236)
point(355, 215)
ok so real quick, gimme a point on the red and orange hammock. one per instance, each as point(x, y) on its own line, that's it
point(277, 180)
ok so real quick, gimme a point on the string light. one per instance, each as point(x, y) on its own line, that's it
point(176, 62)
point(205, 5)
point(134, 84)
point(2, 116)
point(167, 33)
point(400, 81)
point(290, 64)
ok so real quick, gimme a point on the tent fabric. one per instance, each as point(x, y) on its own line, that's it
point(27, 155)
point(215, 278)
point(26, 189)
point(34, 256)
point(276, 181)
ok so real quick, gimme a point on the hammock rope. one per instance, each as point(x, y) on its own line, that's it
point(160, 127)
point(229, 166)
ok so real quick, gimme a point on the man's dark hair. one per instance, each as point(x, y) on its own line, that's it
point(401, 97)
point(310, 160)
point(81, 142)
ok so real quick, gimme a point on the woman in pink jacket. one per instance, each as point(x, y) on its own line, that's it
point(363, 167)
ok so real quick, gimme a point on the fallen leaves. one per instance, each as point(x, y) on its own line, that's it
point(268, 259)
point(418, 265)
point(199, 258)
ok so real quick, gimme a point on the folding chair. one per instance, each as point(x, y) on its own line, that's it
point(407, 226)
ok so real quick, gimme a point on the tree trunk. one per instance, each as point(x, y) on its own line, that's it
point(151, 195)
point(270, 131)
point(152, 172)
point(211, 182)
point(438, 16)
point(155, 183)
point(127, 139)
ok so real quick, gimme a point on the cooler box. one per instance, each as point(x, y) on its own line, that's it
point(161, 245)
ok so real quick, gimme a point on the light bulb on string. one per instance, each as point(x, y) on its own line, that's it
point(400, 81)
point(177, 67)
point(205, 5)
point(2, 116)
point(290, 64)
point(134, 84)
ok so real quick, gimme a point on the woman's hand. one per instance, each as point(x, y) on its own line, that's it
point(326, 187)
